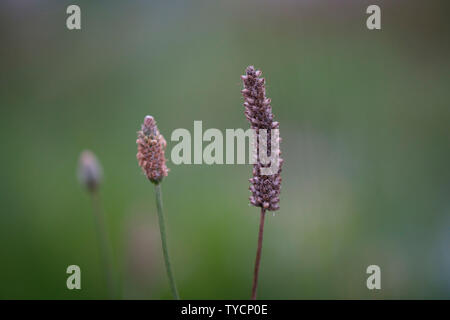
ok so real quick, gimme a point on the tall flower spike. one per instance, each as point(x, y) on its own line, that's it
point(151, 147)
point(258, 111)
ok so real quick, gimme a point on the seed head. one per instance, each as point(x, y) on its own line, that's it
point(89, 171)
point(258, 111)
point(151, 147)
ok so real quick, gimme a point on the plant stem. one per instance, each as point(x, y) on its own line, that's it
point(162, 229)
point(258, 254)
point(105, 246)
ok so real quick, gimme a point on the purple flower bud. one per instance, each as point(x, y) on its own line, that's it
point(89, 171)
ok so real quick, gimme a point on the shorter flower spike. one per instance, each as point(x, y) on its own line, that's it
point(151, 147)
point(89, 171)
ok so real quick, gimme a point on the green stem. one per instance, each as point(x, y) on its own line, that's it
point(105, 246)
point(162, 229)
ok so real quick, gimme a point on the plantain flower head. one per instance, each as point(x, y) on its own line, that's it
point(265, 189)
point(151, 147)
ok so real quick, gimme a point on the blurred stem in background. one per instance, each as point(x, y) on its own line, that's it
point(162, 228)
point(258, 254)
point(104, 244)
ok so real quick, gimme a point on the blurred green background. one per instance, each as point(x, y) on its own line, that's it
point(364, 116)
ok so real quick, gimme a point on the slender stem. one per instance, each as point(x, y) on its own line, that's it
point(258, 254)
point(162, 229)
point(105, 246)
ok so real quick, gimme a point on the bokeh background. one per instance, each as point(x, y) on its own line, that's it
point(364, 117)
